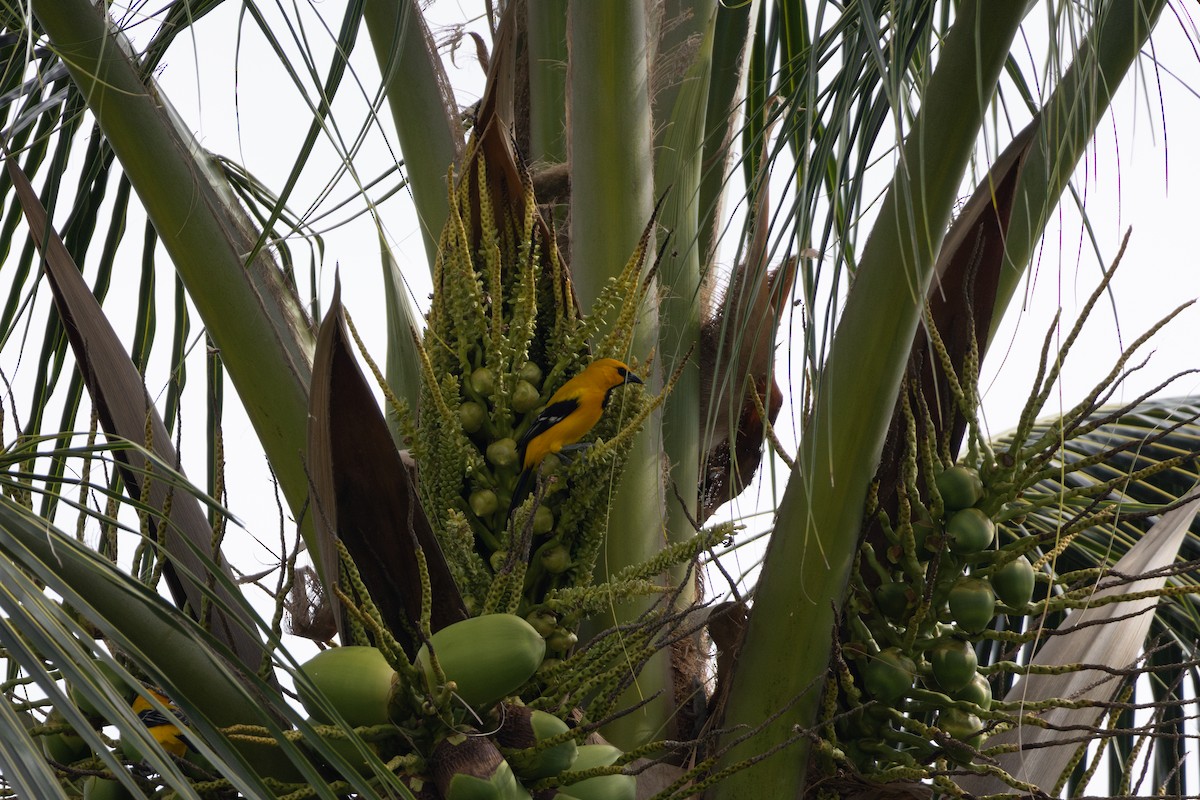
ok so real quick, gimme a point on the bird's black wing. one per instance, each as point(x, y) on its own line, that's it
point(550, 416)
point(153, 718)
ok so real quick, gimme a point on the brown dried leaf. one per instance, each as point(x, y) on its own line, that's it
point(365, 495)
point(737, 349)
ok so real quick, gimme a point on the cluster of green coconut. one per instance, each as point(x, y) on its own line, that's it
point(450, 722)
point(459, 706)
point(914, 691)
point(65, 746)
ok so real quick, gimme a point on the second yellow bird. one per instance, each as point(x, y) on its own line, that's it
point(164, 729)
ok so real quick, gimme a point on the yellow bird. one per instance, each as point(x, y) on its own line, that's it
point(572, 411)
point(164, 730)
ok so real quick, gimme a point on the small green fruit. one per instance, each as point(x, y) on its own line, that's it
point(972, 604)
point(101, 789)
point(892, 600)
point(502, 452)
point(356, 681)
point(471, 768)
point(591, 756)
point(66, 747)
point(471, 416)
point(978, 691)
point(962, 726)
point(970, 531)
point(954, 663)
point(488, 657)
point(922, 528)
point(523, 728)
point(111, 679)
point(1014, 582)
point(553, 760)
point(542, 621)
point(960, 487)
point(556, 560)
point(483, 382)
point(502, 786)
point(347, 750)
point(530, 372)
point(889, 675)
point(525, 397)
point(484, 502)
point(561, 640)
point(543, 521)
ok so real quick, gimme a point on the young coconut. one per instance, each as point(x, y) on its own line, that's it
point(487, 658)
point(111, 680)
point(344, 748)
point(602, 787)
point(66, 747)
point(95, 788)
point(356, 681)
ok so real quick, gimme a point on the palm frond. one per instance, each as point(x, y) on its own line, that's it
point(1135, 459)
point(207, 235)
point(422, 104)
point(1110, 634)
point(116, 389)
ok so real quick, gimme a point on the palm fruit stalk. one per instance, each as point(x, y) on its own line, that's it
point(504, 332)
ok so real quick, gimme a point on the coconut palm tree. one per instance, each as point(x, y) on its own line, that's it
point(578, 212)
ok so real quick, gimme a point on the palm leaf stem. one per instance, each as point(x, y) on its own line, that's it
point(731, 44)
point(547, 36)
point(681, 272)
point(612, 186)
point(422, 105)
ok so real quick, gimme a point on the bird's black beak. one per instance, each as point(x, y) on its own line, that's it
point(631, 378)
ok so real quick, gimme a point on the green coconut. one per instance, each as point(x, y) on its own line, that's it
point(356, 681)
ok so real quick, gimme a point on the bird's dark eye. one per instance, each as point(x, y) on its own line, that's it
point(624, 373)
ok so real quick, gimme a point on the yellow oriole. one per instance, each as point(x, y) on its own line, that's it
point(572, 411)
point(165, 730)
